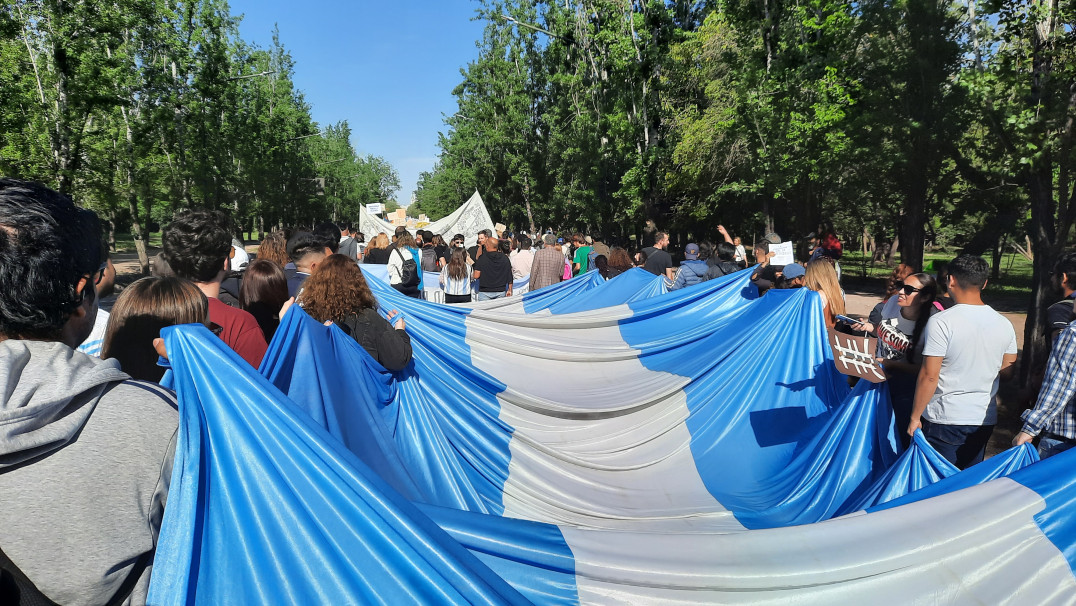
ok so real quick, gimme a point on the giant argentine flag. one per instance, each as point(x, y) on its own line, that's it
point(595, 456)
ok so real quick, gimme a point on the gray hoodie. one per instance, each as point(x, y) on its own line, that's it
point(85, 460)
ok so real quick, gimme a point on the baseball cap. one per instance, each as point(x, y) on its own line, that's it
point(793, 270)
point(692, 251)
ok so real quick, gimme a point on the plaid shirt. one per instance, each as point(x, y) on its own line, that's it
point(1055, 412)
point(547, 268)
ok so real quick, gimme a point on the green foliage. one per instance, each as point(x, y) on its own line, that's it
point(139, 108)
point(759, 114)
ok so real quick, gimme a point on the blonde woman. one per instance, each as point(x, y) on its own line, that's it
point(822, 278)
point(377, 251)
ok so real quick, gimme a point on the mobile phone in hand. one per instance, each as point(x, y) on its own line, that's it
point(846, 319)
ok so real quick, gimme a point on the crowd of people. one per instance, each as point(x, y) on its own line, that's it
point(87, 441)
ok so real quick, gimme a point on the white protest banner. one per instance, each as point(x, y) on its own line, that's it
point(374, 208)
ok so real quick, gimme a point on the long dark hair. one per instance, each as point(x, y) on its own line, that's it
point(928, 291)
point(262, 294)
point(457, 264)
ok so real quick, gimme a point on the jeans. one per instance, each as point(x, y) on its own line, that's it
point(489, 296)
point(961, 445)
point(1048, 447)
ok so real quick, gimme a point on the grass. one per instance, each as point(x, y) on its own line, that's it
point(125, 241)
point(1014, 281)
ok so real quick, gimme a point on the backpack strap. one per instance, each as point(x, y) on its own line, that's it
point(16, 588)
point(132, 579)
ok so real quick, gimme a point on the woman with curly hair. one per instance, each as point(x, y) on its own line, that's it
point(337, 292)
point(274, 248)
point(619, 262)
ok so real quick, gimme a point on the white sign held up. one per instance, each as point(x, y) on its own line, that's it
point(783, 254)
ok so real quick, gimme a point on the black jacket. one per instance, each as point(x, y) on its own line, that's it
point(390, 347)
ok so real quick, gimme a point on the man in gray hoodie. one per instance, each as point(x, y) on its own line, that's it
point(85, 452)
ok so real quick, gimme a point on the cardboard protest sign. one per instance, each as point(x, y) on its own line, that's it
point(854, 356)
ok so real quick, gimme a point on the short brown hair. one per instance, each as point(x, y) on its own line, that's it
point(138, 316)
point(336, 290)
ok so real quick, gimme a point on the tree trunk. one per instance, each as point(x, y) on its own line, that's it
point(998, 253)
point(1044, 240)
point(136, 229)
point(112, 231)
point(527, 202)
point(893, 251)
point(132, 197)
point(914, 220)
point(61, 135)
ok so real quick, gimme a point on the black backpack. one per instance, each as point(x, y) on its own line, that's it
point(409, 276)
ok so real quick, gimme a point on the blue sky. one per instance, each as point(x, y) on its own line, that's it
point(387, 67)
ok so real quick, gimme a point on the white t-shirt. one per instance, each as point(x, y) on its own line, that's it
point(92, 344)
point(741, 254)
point(971, 339)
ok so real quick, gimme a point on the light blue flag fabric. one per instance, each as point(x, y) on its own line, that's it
point(342, 388)
point(266, 508)
point(639, 497)
point(635, 284)
point(918, 467)
point(998, 466)
point(810, 445)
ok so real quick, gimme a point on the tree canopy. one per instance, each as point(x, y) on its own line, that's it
point(915, 122)
point(139, 108)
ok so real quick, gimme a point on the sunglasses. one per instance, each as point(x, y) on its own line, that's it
point(909, 289)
